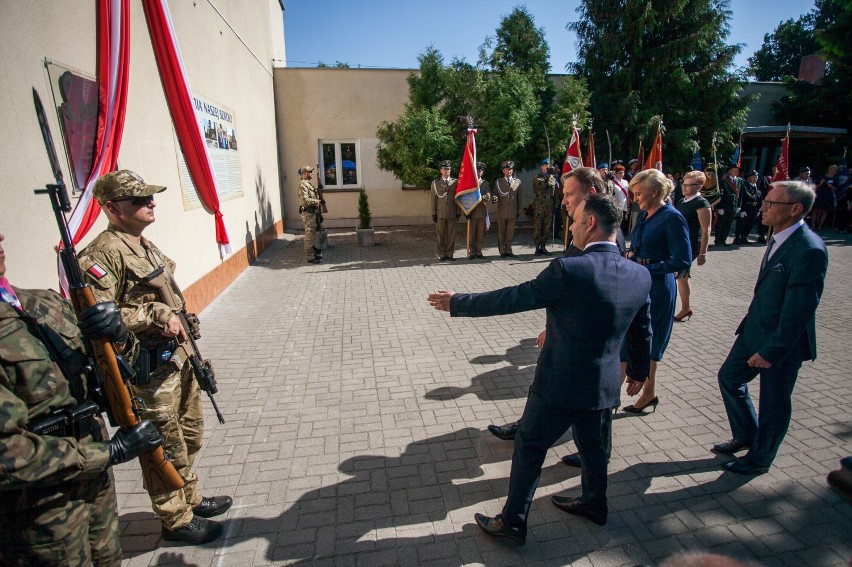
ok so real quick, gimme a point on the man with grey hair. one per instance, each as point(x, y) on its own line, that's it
point(778, 332)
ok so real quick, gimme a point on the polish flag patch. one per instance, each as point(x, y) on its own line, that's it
point(96, 272)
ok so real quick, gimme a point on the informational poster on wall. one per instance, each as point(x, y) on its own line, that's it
point(219, 126)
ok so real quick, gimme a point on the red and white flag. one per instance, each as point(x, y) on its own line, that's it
point(467, 189)
point(655, 157)
point(574, 155)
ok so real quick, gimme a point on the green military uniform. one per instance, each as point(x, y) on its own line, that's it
point(309, 207)
point(508, 193)
point(57, 494)
point(115, 265)
point(544, 187)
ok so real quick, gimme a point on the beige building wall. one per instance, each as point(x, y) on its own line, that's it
point(227, 48)
point(344, 104)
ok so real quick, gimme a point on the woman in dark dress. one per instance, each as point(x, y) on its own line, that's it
point(826, 198)
point(696, 210)
point(660, 242)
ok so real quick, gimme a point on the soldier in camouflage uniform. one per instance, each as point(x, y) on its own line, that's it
point(310, 206)
point(116, 264)
point(57, 493)
point(544, 187)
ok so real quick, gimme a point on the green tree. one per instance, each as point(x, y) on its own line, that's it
point(660, 57)
point(783, 49)
point(826, 103)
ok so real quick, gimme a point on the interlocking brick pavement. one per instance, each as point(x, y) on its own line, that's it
point(356, 419)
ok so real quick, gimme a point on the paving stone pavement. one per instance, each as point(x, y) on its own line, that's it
point(356, 419)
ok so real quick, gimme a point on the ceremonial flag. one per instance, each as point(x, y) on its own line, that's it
point(696, 161)
point(737, 158)
point(641, 156)
point(574, 155)
point(467, 189)
point(782, 166)
point(655, 156)
point(590, 153)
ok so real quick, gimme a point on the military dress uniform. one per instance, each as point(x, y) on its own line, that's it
point(310, 207)
point(445, 211)
point(507, 191)
point(729, 188)
point(477, 219)
point(115, 265)
point(57, 494)
point(544, 187)
point(749, 203)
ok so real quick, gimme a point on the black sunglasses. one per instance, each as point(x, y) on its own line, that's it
point(137, 201)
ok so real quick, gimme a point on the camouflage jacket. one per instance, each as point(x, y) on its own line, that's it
point(31, 385)
point(308, 195)
point(115, 265)
point(544, 187)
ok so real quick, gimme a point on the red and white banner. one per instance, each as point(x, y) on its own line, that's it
point(467, 189)
point(574, 155)
point(782, 166)
point(113, 56)
point(188, 129)
point(655, 157)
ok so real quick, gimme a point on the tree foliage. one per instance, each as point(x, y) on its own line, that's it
point(660, 57)
point(783, 49)
point(507, 96)
point(826, 103)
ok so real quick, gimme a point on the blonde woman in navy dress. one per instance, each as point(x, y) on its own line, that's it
point(660, 242)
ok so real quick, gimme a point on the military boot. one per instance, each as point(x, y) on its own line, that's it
point(199, 530)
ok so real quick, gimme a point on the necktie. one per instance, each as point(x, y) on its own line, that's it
point(768, 251)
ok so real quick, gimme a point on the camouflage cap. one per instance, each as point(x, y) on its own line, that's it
point(305, 168)
point(122, 184)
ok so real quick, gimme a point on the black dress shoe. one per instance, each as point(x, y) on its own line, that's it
point(742, 466)
point(506, 432)
point(730, 447)
point(496, 527)
point(511, 255)
point(197, 531)
point(574, 506)
point(214, 506)
point(572, 460)
point(504, 255)
point(545, 251)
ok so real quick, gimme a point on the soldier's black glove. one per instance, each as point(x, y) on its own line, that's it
point(467, 216)
point(434, 218)
point(127, 444)
point(103, 321)
point(458, 215)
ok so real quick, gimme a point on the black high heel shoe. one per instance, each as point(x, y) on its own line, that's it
point(641, 409)
point(684, 317)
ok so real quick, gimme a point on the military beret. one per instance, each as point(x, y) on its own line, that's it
point(752, 173)
point(507, 165)
point(603, 165)
point(446, 163)
point(545, 161)
point(480, 166)
point(122, 184)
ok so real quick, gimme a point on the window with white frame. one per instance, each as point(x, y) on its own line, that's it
point(340, 164)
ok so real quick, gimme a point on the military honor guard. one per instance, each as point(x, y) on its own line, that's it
point(118, 265)
point(730, 186)
point(507, 191)
point(445, 212)
point(544, 187)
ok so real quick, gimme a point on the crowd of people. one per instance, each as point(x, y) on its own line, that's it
point(631, 296)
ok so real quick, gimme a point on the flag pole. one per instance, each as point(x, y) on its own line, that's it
point(568, 219)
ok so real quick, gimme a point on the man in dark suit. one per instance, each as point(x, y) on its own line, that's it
point(577, 185)
point(778, 332)
point(592, 302)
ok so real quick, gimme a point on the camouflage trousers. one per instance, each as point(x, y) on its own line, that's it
point(542, 224)
point(173, 403)
point(69, 525)
point(310, 221)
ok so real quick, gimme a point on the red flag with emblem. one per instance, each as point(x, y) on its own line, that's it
point(574, 155)
point(590, 152)
point(782, 166)
point(655, 157)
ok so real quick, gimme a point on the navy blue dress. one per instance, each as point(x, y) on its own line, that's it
point(662, 243)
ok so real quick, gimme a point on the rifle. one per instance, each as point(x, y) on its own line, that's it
point(110, 370)
point(323, 206)
point(202, 369)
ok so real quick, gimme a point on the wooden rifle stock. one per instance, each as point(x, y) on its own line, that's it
point(159, 473)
